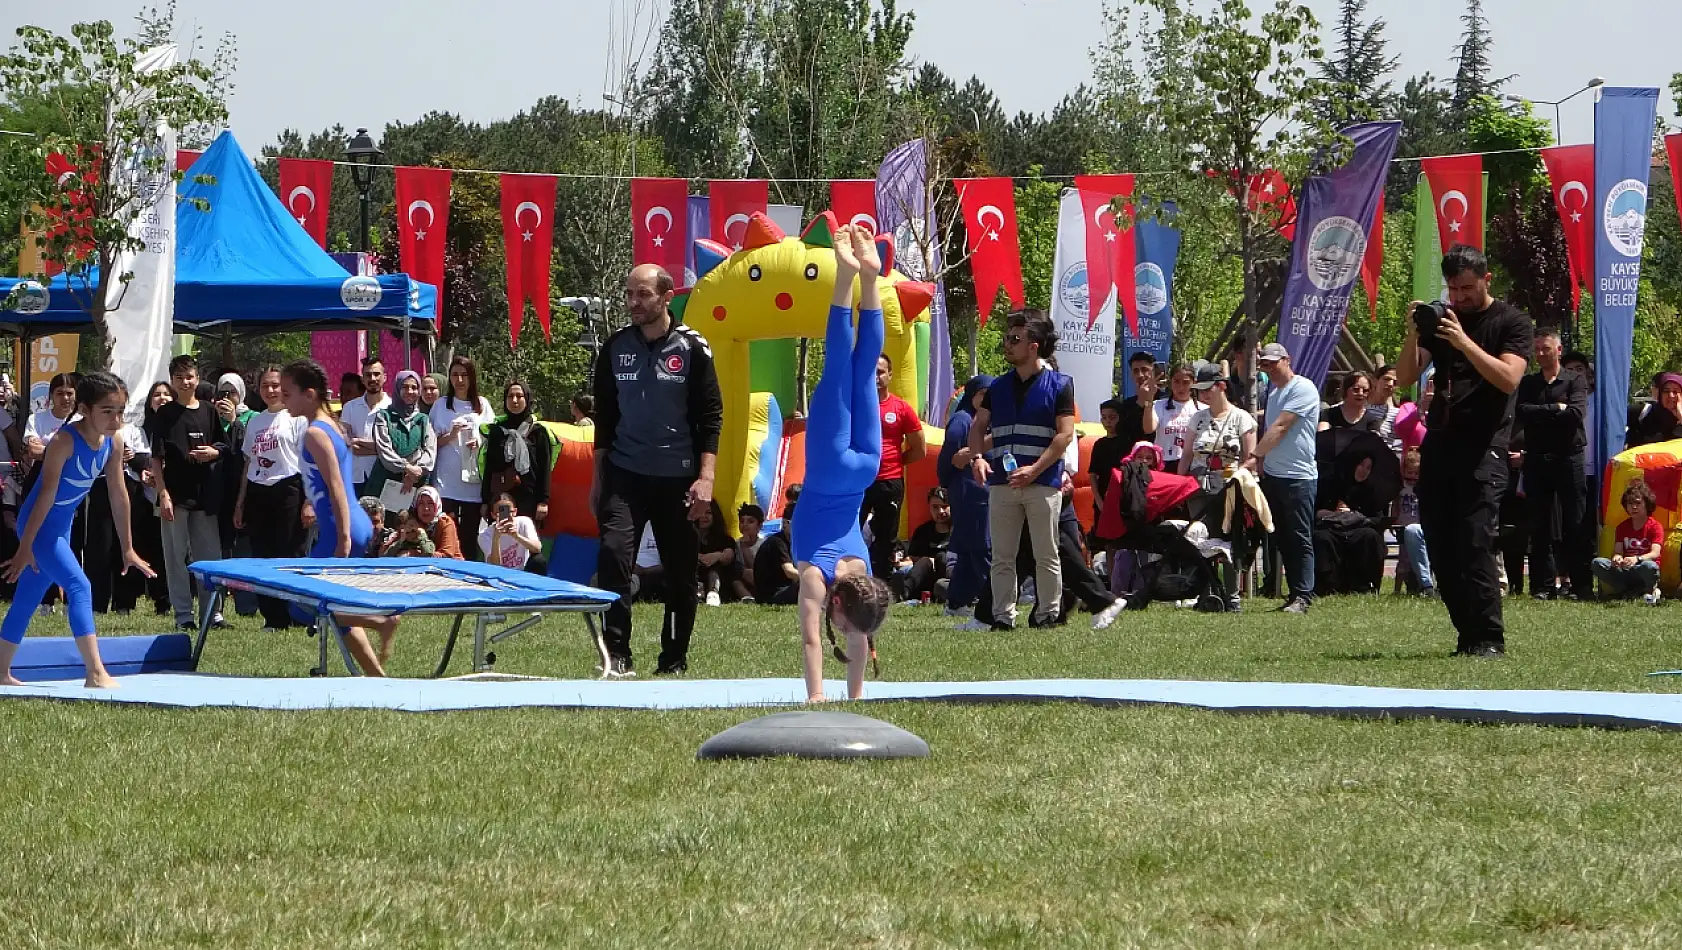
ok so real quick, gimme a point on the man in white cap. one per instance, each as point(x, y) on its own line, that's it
point(1290, 478)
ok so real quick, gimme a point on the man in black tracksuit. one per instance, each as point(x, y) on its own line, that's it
point(1480, 347)
point(1551, 405)
point(659, 413)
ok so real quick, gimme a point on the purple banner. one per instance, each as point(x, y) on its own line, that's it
point(901, 197)
point(1331, 241)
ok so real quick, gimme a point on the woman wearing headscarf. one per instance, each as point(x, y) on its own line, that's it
point(1349, 526)
point(439, 527)
point(432, 386)
point(404, 446)
point(228, 399)
point(969, 541)
point(517, 456)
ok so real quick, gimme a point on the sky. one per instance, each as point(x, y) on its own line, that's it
point(307, 64)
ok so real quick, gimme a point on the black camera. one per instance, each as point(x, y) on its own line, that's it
point(1426, 317)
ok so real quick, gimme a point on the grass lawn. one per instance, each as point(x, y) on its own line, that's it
point(1054, 825)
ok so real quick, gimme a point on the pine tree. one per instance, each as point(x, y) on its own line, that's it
point(1472, 78)
point(1359, 67)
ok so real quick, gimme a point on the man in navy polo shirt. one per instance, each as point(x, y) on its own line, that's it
point(1030, 413)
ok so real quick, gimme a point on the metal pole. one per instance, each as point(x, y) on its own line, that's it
point(366, 248)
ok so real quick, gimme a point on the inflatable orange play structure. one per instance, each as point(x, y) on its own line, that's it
point(1660, 466)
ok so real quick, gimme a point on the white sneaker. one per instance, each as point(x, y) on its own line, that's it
point(1108, 615)
point(971, 626)
point(713, 599)
point(1653, 597)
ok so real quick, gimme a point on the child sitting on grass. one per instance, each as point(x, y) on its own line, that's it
point(1633, 568)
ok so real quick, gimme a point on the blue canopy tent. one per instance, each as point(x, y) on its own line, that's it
point(245, 266)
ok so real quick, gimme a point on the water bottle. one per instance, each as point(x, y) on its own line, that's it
point(1008, 463)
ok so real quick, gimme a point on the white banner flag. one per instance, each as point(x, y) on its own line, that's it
point(1086, 356)
point(141, 313)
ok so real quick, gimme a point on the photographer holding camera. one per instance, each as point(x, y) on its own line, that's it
point(1480, 347)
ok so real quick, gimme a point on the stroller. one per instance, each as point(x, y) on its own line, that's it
point(1181, 555)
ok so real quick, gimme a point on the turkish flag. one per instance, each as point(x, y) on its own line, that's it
point(528, 235)
point(1457, 185)
point(1270, 197)
point(1110, 254)
point(660, 223)
point(185, 157)
point(731, 204)
point(1372, 266)
point(71, 216)
point(423, 215)
point(1571, 178)
point(306, 184)
point(854, 202)
point(989, 206)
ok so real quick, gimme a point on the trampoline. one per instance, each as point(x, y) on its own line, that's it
point(502, 602)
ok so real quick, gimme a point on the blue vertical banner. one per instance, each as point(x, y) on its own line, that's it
point(700, 225)
point(1331, 241)
point(1623, 156)
point(902, 198)
point(1158, 244)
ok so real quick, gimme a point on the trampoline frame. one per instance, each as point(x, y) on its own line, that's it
point(483, 620)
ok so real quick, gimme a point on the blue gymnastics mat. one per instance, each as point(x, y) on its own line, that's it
point(1541, 707)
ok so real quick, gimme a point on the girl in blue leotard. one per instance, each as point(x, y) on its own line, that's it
point(843, 455)
point(76, 455)
point(343, 528)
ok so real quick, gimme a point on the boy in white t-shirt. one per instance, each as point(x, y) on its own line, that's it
point(509, 539)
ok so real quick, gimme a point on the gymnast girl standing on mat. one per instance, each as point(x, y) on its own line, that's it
point(75, 456)
point(843, 455)
point(343, 528)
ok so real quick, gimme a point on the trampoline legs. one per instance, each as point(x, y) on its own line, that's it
point(216, 594)
point(601, 645)
point(449, 647)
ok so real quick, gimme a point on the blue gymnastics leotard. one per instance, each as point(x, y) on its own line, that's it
point(843, 444)
point(315, 491)
point(55, 563)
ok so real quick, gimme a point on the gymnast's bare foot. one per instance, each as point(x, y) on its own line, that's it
point(10, 680)
point(815, 699)
point(100, 679)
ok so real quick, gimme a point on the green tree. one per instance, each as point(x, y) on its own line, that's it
point(699, 92)
point(1246, 104)
point(1359, 68)
point(1472, 77)
point(1428, 128)
point(92, 105)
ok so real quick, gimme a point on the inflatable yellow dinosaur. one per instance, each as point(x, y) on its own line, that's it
point(778, 287)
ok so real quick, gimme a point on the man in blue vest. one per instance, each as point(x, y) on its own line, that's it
point(1029, 414)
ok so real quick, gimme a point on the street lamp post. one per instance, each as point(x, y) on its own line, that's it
point(1594, 83)
point(362, 153)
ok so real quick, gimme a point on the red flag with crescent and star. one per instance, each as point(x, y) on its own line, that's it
point(660, 223)
point(731, 203)
point(1457, 185)
point(854, 202)
point(423, 214)
point(1110, 252)
point(71, 217)
point(528, 235)
point(989, 206)
point(306, 185)
point(1673, 152)
point(1270, 196)
point(1571, 178)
